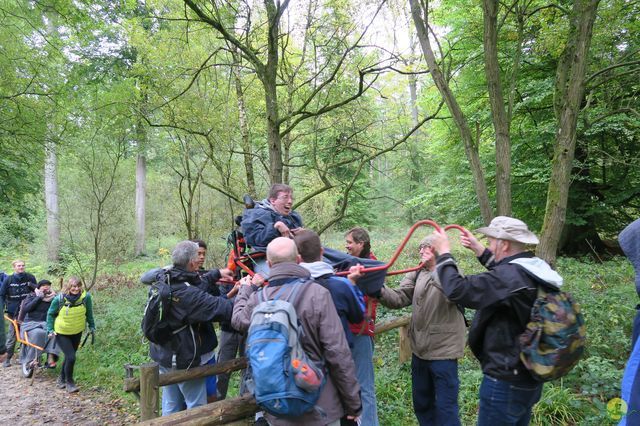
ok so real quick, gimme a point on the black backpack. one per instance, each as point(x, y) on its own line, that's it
point(155, 325)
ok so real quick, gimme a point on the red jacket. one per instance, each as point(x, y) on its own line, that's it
point(367, 326)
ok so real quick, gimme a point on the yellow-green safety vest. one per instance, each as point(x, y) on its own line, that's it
point(71, 317)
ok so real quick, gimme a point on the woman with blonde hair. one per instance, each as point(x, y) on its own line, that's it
point(67, 318)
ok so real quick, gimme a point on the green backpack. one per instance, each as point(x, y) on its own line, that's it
point(554, 340)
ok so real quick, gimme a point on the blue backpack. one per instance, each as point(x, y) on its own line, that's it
point(287, 383)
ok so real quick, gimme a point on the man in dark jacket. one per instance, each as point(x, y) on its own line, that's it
point(323, 338)
point(271, 218)
point(15, 288)
point(347, 298)
point(192, 311)
point(503, 298)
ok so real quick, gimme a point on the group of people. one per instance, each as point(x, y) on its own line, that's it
point(51, 322)
point(338, 321)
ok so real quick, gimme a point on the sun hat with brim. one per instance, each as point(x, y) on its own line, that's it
point(508, 228)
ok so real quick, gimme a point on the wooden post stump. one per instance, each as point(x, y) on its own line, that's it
point(405, 345)
point(149, 391)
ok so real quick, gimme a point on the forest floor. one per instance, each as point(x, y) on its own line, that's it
point(39, 401)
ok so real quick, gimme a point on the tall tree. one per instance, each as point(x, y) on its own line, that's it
point(569, 91)
point(501, 121)
point(266, 68)
point(51, 200)
point(420, 13)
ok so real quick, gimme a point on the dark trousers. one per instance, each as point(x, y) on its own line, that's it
point(231, 343)
point(505, 403)
point(434, 386)
point(69, 345)
point(11, 337)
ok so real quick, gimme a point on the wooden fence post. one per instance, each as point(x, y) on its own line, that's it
point(149, 391)
point(405, 345)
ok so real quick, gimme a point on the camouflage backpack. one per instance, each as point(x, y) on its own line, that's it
point(553, 342)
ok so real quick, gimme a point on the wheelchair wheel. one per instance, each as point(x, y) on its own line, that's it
point(27, 369)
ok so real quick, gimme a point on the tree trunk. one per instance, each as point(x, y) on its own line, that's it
point(414, 172)
point(244, 133)
point(470, 147)
point(270, 93)
point(498, 112)
point(141, 184)
point(569, 93)
point(51, 201)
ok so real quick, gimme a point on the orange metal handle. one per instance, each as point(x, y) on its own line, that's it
point(24, 341)
point(395, 256)
point(454, 226)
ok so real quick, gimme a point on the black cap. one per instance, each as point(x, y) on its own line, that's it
point(43, 282)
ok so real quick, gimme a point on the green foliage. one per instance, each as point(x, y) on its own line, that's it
point(558, 406)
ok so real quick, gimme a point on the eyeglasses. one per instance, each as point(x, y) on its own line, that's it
point(285, 197)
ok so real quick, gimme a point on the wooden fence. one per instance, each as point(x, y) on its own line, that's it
point(147, 387)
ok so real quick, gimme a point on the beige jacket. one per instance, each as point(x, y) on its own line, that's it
point(437, 329)
point(323, 338)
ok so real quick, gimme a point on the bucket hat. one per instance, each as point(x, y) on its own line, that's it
point(508, 228)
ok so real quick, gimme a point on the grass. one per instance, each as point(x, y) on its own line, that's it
point(605, 291)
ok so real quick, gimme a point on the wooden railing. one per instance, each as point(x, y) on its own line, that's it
point(221, 412)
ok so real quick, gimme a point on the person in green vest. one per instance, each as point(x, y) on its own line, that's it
point(70, 312)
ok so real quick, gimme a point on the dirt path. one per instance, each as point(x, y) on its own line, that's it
point(43, 403)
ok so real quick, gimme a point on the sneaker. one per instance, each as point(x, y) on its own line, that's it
point(261, 422)
point(7, 362)
point(71, 387)
point(60, 383)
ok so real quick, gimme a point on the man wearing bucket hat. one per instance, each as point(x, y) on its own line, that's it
point(503, 297)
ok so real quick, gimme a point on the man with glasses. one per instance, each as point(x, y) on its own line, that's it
point(437, 336)
point(271, 218)
point(502, 297)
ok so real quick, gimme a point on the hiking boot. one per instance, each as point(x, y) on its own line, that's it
point(60, 383)
point(71, 387)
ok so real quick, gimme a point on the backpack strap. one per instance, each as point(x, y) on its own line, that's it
point(297, 287)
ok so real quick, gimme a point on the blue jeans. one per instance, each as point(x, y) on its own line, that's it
point(506, 403)
point(211, 382)
point(362, 353)
point(434, 386)
point(184, 395)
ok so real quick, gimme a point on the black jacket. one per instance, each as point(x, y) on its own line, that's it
point(14, 289)
point(192, 311)
point(503, 298)
point(257, 224)
point(34, 308)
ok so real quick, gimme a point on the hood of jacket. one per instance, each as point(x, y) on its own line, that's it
point(539, 269)
point(285, 271)
point(177, 274)
point(317, 269)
